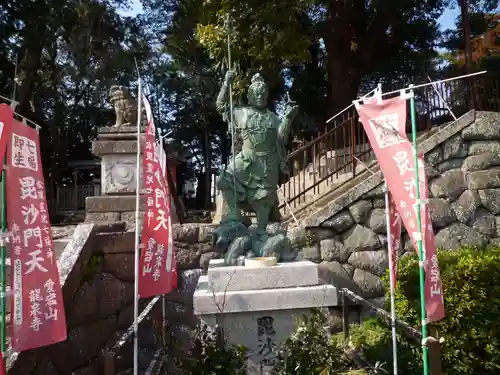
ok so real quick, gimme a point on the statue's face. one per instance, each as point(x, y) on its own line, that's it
point(257, 96)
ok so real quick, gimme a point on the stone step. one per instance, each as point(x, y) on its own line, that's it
point(208, 303)
point(321, 200)
point(60, 245)
point(347, 182)
point(312, 195)
point(302, 179)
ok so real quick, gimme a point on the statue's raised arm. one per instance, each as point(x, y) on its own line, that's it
point(291, 111)
point(222, 103)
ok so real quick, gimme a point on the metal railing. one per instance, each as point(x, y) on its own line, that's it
point(341, 152)
point(72, 198)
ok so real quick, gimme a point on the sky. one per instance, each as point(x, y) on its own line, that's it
point(447, 20)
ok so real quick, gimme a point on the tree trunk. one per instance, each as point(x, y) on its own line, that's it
point(344, 85)
point(464, 9)
point(28, 69)
point(344, 72)
point(344, 81)
point(200, 191)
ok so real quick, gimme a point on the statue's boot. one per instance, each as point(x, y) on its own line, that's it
point(232, 211)
point(262, 212)
point(275, 214)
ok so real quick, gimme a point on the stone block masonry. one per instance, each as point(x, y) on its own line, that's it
point(117, 148)
point(345, 238)
point(463, 170)
point(97, 274)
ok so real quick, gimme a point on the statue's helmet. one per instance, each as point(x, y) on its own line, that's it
point(257, 92)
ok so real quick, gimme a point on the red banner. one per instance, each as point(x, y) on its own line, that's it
point(433, 285)
point(395, 230)
point(37, 307)
point(158, 271)
point(6, 120)
point(2, 364)
point(395, 156)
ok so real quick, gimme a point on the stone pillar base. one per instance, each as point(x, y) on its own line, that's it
point(113, 208)
point(256, 307)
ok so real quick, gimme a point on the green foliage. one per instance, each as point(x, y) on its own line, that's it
point(93, 266)
point(358, 38)
point(212, 357)
point(470, 328)
point(374, 339)
point(478, 23)
point(265, 36)
point(68, 54)
point(322, 354)
point(311, 350)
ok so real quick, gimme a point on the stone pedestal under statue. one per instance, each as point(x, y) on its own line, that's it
point(117, 148)
point(257, 307)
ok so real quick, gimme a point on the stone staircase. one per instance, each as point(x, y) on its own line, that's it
point(323, 174)
point(320, 190)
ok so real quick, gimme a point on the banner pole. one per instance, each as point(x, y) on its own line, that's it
point(378, 96)
point(137, 225)
point(231, 114)
point(163, 296)
point(419, 235)
point(3, 200)
point(3, 257)
point(391, 283)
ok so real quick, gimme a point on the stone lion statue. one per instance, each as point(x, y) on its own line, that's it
point(124, 104)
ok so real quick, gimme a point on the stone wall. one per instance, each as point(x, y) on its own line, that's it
point(97, 292)
point(463, 169)
point(346, 237)
point(97, 274)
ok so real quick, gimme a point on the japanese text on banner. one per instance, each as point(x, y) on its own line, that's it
point(383, 124)
point(6, 121)
point(38, 317)
point(158, 272)
point(395, 229)
point(2, 364)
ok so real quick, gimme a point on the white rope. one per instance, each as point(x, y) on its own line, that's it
point(349, 106)
point(363, 164)
point(442, 99)
point(288, 205)
point(433, 83)
point(391, 281)
point(13, 102)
